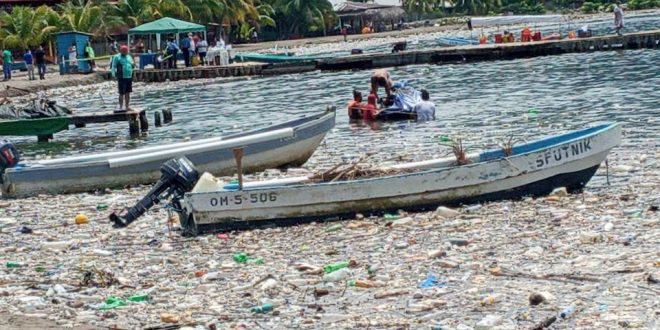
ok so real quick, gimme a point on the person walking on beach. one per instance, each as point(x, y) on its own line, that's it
point(29, 64)
point(6, 64)
point(121, 67)
point(39, 56)
point(618, 18)
point(426, 109)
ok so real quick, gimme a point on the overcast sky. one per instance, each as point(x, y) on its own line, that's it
point(383, 2)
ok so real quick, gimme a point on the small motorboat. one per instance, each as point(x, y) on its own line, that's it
point(532, 169)
point(289, 143)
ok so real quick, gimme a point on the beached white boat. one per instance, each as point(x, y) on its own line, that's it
point(532, 169)
point(289, 143)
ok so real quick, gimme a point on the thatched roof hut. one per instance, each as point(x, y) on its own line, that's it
point(359, 14)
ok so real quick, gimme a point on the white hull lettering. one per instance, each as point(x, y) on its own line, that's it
point(563, 153)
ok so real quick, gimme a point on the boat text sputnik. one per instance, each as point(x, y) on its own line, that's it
point(563, 152)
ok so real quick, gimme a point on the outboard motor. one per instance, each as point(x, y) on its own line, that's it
point(9, 156)
point(178, 176)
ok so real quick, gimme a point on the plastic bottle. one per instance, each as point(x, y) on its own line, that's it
point(139, 297)
point(388, 216)
point(335, 267)
point(14, 264)
point(240, 257)
point(362, 284)
point(337, 276)
point(265, 308)
point(101, 207)
point(568, 311)
point(332, 228)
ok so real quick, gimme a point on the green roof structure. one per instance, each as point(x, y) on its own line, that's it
point(166, 25)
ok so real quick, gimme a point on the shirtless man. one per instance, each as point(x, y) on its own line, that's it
point(381, 78)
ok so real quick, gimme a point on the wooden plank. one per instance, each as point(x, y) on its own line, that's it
point(105, 117)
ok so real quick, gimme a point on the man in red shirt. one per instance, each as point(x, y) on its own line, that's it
point(370, 110)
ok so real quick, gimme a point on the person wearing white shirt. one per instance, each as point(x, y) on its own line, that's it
point(426, 109)
point(202, 47)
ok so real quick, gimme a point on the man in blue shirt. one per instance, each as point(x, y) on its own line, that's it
point(29, 65)
point(121, 67)
point(426, 109)
point(185, 50)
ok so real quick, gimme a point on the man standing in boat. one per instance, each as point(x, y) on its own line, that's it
point(381, 78)
point(121, 67)
point(618, 18)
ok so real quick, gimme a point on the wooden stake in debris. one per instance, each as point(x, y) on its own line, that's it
point(238, 155)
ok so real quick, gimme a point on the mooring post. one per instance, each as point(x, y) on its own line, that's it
point(238, 156)
point(157, 121)
point(144, 123)
point(44, 138)
point(79, 125)
point(133, 125)
point(167, 116)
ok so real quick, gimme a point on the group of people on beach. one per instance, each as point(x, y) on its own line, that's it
point(190, 46)
point(29, 58)
point(425, 109)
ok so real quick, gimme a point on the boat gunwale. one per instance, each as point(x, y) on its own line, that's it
point(597, 131)
point(302, 123)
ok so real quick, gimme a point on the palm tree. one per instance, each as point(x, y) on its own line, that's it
point(480, 7)
point(136, 12)
point(26, 27)
point(305, 15)
point(91, 16)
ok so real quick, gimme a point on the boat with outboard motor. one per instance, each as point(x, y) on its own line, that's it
point(532, 169)
point(289, 143)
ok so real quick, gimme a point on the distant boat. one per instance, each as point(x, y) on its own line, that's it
point(275, 58)
point(456, 41)
point(531, 169)
point(289, 143)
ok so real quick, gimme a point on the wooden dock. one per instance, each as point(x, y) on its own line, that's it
point(137, 121)
point(439, 55)
point(637, 40)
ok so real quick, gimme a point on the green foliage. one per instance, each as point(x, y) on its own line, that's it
point(643, 4)
point(26, 27)
point(589, 7)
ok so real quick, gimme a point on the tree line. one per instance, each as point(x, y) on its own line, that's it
point(28, 27)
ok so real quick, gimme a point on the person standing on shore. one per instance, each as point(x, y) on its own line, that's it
point(39, 56)
point(121, 67)
point(29, 64)
point(89, 55)
point(618, 18)
point(172, 50)
point(73, 58)
point(185, 50)
point(202, 47)
point(6, 64)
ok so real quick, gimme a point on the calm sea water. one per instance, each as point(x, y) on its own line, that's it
point(482, 103)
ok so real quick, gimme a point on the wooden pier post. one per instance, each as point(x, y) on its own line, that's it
point(133, 125)
point(157, 121)
point(144, 123)
point(167, 116)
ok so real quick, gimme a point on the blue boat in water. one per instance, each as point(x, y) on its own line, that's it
point(456, 41)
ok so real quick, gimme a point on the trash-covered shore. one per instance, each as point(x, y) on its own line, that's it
point(586, 260)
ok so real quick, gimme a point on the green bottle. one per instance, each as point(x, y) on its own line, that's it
point(444, 138)
point(240, 257)
point(102, 207)
point(14, 264)
point(139, 297)
point(335, 267)
point(333, 228)
point(391, 216)
point(265, 308)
